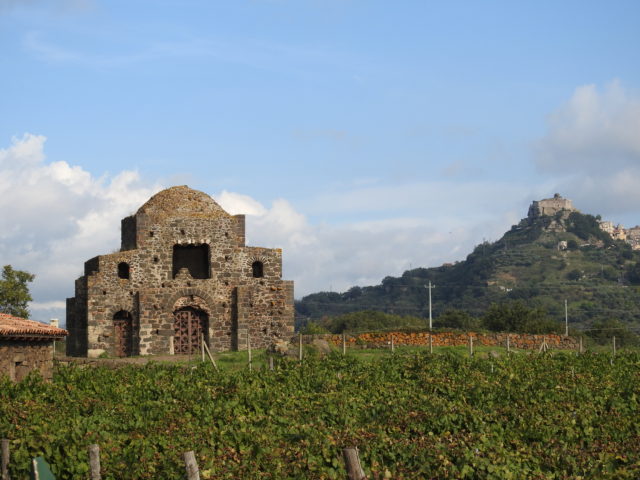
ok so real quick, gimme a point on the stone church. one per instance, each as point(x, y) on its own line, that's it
point(183, 275)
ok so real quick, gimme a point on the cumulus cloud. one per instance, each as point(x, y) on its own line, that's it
point(56, 216)
point(593, 131)
point(592, 147)
point(338, 256)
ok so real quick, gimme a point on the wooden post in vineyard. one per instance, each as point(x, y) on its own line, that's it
point(202, 346)
point(352, 464)
point(191, 465)
point(508, 345)
point(249, 352)
point(470, 346)
point(392, 345)
point(4, 447)
point(344, 343)
point(543, 346)
point(430, 343)
point(94, 462)
point(614, 345)
point(580, 347)
point(300, 346)
point(210, 357)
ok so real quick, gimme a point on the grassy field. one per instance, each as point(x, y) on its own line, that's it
point(234, 361)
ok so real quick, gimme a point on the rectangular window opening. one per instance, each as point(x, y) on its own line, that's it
point(195, 258)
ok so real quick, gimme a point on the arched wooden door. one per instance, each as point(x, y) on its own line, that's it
point(190, 326)
point(124, 337)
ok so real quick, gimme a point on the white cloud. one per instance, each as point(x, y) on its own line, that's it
point(236, 203)
point(594, 131)
point(338, 256)
point(592, 146)
point(46, 306)
point(57, 216)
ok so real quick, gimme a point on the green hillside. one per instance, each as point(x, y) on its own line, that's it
point(530, 264)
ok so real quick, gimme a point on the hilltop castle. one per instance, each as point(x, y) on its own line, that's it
point(183, 276)
point(562, 206)
point(550, 206)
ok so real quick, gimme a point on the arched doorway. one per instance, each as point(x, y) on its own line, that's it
point(190, 326)
point(125, 339)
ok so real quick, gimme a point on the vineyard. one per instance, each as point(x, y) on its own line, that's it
point(561, 416)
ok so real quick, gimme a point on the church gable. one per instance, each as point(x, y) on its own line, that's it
point(176, 282)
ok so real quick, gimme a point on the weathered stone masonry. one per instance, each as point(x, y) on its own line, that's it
point(183, 273)
point(26, 346)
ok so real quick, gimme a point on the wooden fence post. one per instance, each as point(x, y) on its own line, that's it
point(508, 344)
point(249, 352)
point(4, 446)
point(215, 365)
point(191, 465)
point(344, 343)
point(300, 346)
point(543, 346)
point(392, 345)
point(270, 362)
point(94, 462)
point(430, 343)
point(470, 346)
point(202, 346)
point(352, 464)
point(614, 345)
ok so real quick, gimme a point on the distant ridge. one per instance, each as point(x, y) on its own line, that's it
point(555, 253)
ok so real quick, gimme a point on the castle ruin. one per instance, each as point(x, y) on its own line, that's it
point(558, 205)
point(183, 276)
point(550, 206)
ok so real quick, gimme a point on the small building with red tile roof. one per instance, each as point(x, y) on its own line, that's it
point(27, 345)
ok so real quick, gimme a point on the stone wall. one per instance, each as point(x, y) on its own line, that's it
point(234, 300)
point(19, 357)
point(450, 339)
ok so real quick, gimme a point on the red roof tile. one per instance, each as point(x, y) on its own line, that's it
point(11, 326)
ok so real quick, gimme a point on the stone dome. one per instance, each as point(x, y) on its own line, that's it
point(181, 201)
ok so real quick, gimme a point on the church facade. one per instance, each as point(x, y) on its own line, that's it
point(182, 276)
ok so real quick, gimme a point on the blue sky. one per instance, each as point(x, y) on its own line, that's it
point(363, 137)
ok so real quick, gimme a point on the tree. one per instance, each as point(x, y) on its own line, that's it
point(572, 244)
point(604, 329)
point(313, 328)
point(14, 292)
point(634, 274)
point(517, 317)
point(368, 320)
point(459, 319)
point(574, 275)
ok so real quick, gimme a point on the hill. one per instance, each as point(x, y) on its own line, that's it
point(554, 254)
